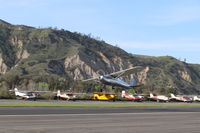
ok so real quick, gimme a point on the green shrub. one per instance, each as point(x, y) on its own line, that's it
point(5, 94)
point(48, 96)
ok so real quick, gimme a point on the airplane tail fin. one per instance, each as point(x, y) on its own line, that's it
point(123, 93)
point(133, 82)
point(195, 98)
point(16, 90)
point(172, 95)
point(151, 95)
point(58, 93)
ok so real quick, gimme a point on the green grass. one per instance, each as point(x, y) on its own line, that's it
point(42, 104)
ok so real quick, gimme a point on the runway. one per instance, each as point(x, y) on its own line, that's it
point(99, 120)
point(183, 122)
point(90, 110)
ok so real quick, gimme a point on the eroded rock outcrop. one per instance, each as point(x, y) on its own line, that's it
point(3, 67)
point(185, 75)
point(78, 68)
point(22, 54)
point(142, 75)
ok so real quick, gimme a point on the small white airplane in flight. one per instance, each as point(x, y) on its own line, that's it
point(132, 97)
point(67, 96)
point(178, 98)
point(159, 98)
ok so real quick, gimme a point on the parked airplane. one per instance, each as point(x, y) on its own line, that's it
point(178, 98)
point(159, 98)
point(113, 78)
point(132, 97)
point(103, 96)
point(197, 99)
point(27, 94)
point(66, 96)
point(24, 95)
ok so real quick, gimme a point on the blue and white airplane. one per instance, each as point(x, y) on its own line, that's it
point(113, 78)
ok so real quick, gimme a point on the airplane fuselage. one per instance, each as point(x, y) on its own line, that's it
point(132, 97)
point(181, 99)
point(159, 98)
point(24, 95)
point(108, 80)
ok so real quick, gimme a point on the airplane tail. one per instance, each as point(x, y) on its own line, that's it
point(172, 95)
point(151, 95)
point(16, 91)
point(123, 93)
point(58, 93)
point(133, 82)
point(195, 98)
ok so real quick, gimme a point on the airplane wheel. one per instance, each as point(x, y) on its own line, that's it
point(95, 98)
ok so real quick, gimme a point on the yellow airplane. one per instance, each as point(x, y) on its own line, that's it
point(103, 96)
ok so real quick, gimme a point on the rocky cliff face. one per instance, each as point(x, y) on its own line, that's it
point(184, 75)
point(39, 57)
point(3, 67)
point(78, 69)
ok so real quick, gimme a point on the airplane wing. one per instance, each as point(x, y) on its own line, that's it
point(27, 91)
point(94, 78)
point(126, 71)
point(39, 91)
point(119, 73)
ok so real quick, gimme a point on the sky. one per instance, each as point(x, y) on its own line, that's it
point(144, 27)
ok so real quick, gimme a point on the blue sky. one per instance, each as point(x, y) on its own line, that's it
point(146, 27)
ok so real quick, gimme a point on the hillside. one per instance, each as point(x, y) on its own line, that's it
point(50, 59)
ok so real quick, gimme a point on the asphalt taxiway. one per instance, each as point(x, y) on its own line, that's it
point(99, 120)
point(91, 110)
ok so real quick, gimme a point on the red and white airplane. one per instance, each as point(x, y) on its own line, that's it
point(67, 96)
point(178, 98)
point(159, 98)
point(24, 94)
point(132, 97)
